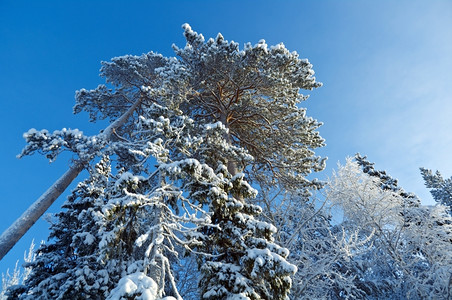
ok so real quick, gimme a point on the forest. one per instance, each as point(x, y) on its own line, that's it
point(204, 187)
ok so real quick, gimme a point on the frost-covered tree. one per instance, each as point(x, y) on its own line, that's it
point(175, 178)
point(320, 250)
point(19, 274)
point(408, 251)
point(386, 181)
point(440, 188)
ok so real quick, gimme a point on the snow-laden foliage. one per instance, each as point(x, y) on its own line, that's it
point(176, 178)
point(382, 205)
point(320, 251)
point(440, 188)
point(245, 263)
point(67, 266)
point(201, 192)
point(19, 274)
point(128, 74)
point(408, 251)
point(52, 144)
point(118, 223)
point(254, 92)
point(386, 181)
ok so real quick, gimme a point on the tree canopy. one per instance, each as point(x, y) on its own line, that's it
point(200, 189)
point(175, 179)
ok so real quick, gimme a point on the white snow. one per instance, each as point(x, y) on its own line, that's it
point(138, 285)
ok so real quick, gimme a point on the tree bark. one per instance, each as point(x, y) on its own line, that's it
point(232, 165)
point(15, 232)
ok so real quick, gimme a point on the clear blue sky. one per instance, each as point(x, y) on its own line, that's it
point(386, 68)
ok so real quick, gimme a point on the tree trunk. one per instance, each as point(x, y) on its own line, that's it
point(232, 165)
point(13, 234)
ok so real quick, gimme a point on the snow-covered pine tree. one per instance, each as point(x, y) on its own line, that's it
point(204, 125)
point(254, 93)
point(440, 188)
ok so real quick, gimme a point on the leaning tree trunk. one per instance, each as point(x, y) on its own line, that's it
point(13, 234)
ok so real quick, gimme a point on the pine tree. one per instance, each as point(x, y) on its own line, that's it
point(254, 93)
point(175, 178)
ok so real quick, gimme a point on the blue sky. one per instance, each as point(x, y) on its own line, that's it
point(386, 68)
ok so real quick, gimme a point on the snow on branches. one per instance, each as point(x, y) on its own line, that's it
point(198, 133)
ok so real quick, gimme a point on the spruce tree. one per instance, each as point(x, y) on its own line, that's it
point(386, 181)
point(67, 267)
point(440, 188)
